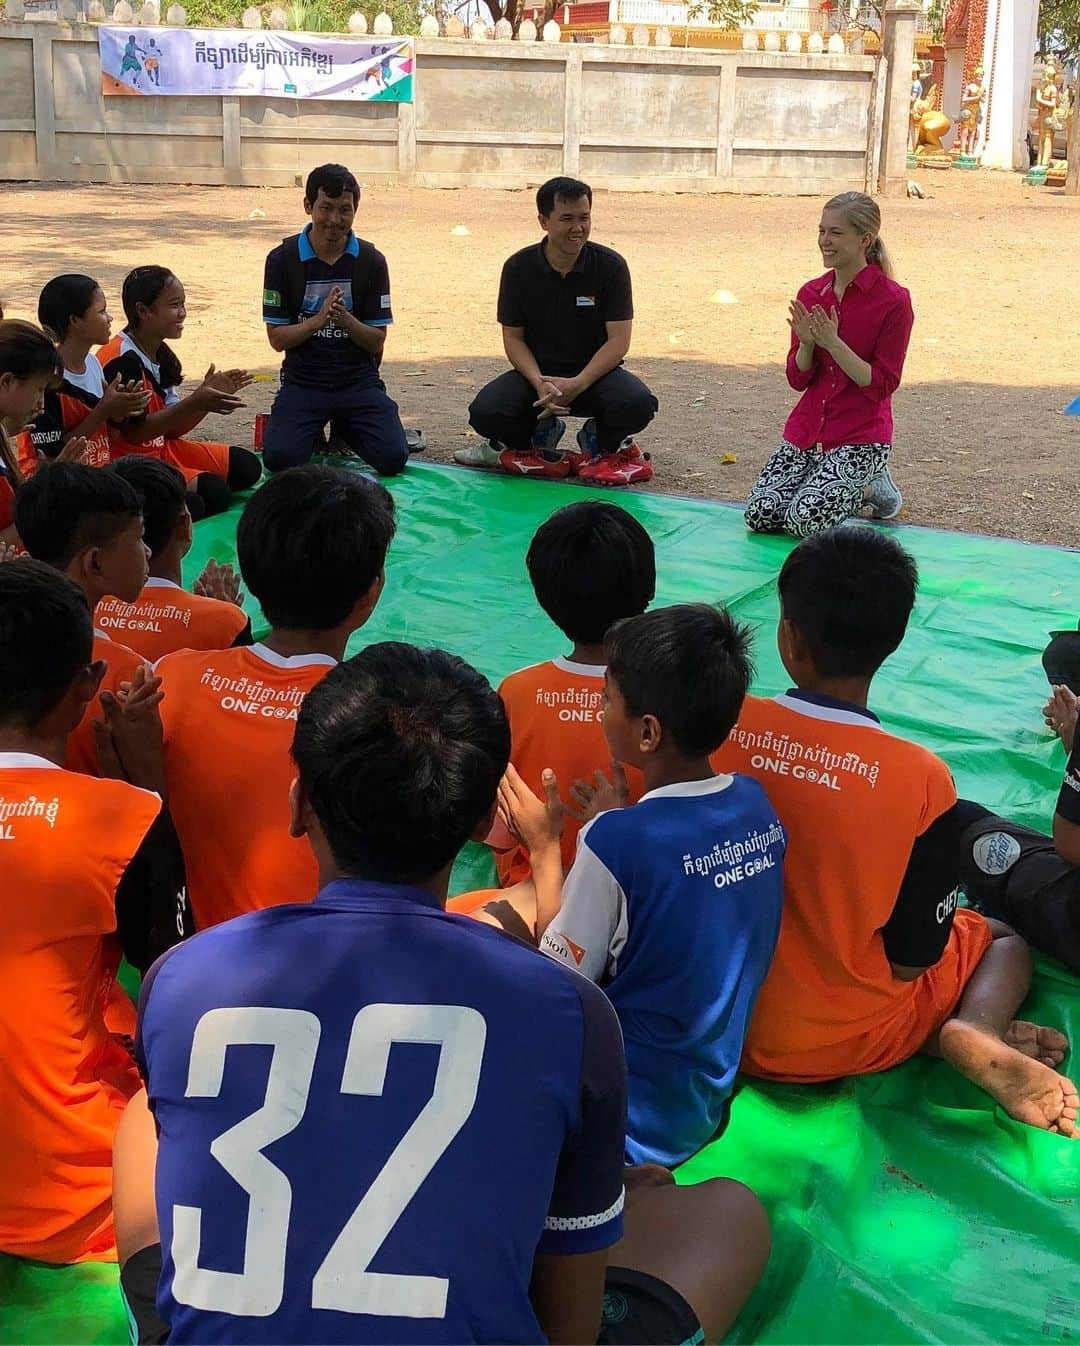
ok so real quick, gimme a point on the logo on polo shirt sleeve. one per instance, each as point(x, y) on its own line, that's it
point(586, 301)
point(555, 942)
point(384, 302)
point(272, 299)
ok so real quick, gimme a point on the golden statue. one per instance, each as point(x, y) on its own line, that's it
point(1062, 121)
point(971, 113)
point(1046, 105)
point(930, 125)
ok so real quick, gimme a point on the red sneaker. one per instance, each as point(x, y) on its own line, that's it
point(529, 463)
point(622, 468)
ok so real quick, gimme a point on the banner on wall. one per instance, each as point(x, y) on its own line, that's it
point(194, 61)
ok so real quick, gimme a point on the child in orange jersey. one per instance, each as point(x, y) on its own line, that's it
point(166, 617)
point(875, 962)
point(73, 312)
point(155, 306)
point(28, 366)
point(312, 544)
point(591, 564)
point(87, 522)
point(88, 866)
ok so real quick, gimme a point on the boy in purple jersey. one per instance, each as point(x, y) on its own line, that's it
point(380, 1122)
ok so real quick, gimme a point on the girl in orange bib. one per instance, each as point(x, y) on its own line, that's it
point(155, 306)
point(28, 366)
point(73, 312)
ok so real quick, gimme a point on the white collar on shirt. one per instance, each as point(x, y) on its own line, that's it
point(154, 583)
point(690, 789)
point(11, 760)
point(581, 670)
point(128, 343)
point(268, 656)
point(834, 714)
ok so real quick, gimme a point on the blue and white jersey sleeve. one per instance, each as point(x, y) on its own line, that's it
point(586, 1211)
point(373, 306)
point(590, 930)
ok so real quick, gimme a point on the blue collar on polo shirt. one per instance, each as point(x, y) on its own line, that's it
point(831, 703)
point(367, 894)
point(307, 252)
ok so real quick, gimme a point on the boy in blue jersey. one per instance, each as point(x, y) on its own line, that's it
point(380, 1122)
point(673, 904)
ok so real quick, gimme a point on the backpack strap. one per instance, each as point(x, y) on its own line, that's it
point(296, 283)
point(294, 276)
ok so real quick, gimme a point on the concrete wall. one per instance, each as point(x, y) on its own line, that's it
point(486, 115)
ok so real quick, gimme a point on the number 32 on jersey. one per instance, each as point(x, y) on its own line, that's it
point(343, 1281)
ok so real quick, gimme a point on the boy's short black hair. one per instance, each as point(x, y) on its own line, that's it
point(850, 591)
point(46, 639)
point(164, 496)
point(66, 507)
point(400, 753)
point(565, 189)
point(591, 564)
point(689, 665)
point(311, 542)
point(333, 179)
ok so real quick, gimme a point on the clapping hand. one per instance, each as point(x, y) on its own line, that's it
point(219, 581)
point(129, 738)
point(139, 697)
point(122, 400)
point(535, 822)
point(597, 796)
point(824, 328)
point(74, 451)
point(799, 321)
point(334, 301)
point(227, 380)
point(341, 315)
point(1060, 713)
point(217, 392)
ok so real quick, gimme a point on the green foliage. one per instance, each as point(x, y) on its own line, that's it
point(1059, 25)
point(935, 14)
point(308, 16)
point(730, 14)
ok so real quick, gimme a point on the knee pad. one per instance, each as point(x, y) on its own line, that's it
point(1061, 660)
point(213, 492)
point(244, 469)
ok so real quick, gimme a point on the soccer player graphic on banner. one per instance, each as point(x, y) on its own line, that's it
point(152, 61)
point(131, 61)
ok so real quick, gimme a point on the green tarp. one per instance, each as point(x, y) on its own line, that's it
point(905, 1208)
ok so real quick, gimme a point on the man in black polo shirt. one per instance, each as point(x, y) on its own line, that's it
point(326, 304)
point(566, 311)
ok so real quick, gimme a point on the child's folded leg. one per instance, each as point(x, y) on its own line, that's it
point(983, 1041)
point(670, 1236)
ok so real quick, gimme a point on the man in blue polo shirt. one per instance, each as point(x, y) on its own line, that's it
point(326, 305)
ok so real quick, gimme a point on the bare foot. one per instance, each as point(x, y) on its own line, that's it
point(1061, 713)
point(1031, 1092)
point(1041, 1044)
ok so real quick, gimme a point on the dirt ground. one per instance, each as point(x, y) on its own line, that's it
point(993, 266)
